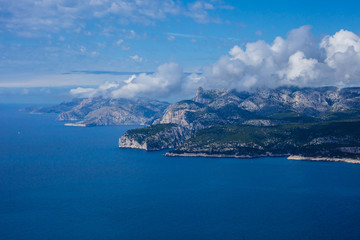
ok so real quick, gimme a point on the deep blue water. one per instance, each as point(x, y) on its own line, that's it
point(60, 182)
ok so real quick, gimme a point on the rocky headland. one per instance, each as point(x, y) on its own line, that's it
point(313, 123)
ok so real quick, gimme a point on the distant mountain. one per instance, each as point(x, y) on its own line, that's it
point(229, 110)
point(214, 107)
point(100, 111)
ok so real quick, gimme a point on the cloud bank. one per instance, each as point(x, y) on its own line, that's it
point(297, 60)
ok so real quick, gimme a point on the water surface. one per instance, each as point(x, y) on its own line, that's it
point(60, 182)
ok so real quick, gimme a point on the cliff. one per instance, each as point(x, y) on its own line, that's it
point(160, 136)
point(268, 122)
point(334, 139)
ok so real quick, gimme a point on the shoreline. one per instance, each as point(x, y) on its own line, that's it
point(289, 157)
point(222, 155)
point(323, 159)
point(75, 125)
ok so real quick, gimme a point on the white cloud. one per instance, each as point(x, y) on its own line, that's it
point(119, 42)
point(132, 34)
point(136, 58)
point(167, 80)
point(298, 60)
point(199, 11)
point(104, 90)
point(164, 82)
point(83, 92)
point(123, 46)
point(343, 55)
point(299, 67)
point(28, 17)
point(130, 79)
point(82, 49)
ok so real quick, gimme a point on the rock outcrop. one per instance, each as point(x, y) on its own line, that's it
point(157, 137)
point(260, 109)
point(105, 111)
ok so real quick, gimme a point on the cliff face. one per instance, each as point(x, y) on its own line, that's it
point(104, 111)
point(179, 113)
point(308, 101)
point(160, 136)
point(263, 108)
point(127, 141)
point(216, 107)
point(325, 139)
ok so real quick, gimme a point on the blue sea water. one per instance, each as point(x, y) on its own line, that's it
point(60, 182)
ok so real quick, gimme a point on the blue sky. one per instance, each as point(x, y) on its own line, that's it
point(49, 43)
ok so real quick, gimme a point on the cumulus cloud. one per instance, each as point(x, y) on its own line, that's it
point(298, 60)
point(343, 56)
point(167, 80)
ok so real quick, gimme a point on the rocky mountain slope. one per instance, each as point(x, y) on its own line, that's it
point(263, 108)
point(105, 111)
point(282, 104)
point(333, 139)
point(157, 137)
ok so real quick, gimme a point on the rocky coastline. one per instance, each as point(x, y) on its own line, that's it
point(323, 159)
point(282, 122)
point(206, 155)
point(291, 157)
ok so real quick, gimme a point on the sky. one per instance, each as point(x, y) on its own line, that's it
point(165, 49)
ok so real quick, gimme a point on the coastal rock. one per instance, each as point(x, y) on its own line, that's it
point(101, 111)
point(264, 107)
point(161, 136)
point(264, 112)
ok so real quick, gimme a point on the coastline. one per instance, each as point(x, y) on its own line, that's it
point(291, 157)
point(75, 124)
point(324, 159)
point(222, 155)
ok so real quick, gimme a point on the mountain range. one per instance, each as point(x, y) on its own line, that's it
point(317, 122)
point(101, 111)
point(307, 122)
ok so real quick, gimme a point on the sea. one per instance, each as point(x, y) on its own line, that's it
point(59, 182)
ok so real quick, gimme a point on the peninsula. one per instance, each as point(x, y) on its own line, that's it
point(300, 123)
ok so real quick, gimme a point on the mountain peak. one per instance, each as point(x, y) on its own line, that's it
point(200, 91)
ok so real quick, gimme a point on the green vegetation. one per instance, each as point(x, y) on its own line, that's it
point(348, 114)
point(312, 122)
point(291, 116)
point(310, 139)
point(142, 134)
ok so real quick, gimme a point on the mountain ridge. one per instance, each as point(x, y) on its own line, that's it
point(264, 108)
point(101, 111)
